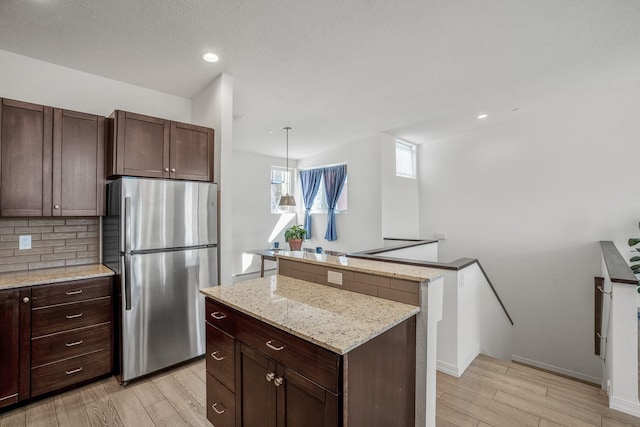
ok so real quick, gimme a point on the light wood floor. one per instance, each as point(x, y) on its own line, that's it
point(490, 393)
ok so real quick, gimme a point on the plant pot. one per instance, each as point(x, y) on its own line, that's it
point(295, 244)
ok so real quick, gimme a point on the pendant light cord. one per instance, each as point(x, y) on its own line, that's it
point(287, 129)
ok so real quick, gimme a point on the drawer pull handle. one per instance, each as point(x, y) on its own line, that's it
point(73, 316)
point(278, 381)
point(218, 358)
point(71, 344)
point(272, 347)
point(73, 371)
point(216, 409)
point(218, 316)
point(79, 291)
point(270, 376)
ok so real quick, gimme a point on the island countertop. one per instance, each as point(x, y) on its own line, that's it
point(380, 268)
point(335, 319)
point(52, 275)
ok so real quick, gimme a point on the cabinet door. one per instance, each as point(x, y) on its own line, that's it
point(142, 145)
point(14, 342)
point(191, 152)
point(78, 164)
point(25, 159)
point(258, 393)
point(303, 403)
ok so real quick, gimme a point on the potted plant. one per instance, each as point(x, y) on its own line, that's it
point(294, 235)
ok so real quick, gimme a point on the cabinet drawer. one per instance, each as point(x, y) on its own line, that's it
point(221, 404)
point(64, 317)
point(221, 356)
point(77, 290)
point(64, 345)
point(69, 371)
point(314, 362)
point(221, 316)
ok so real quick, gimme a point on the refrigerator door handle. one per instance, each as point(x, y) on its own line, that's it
point(126, 281)
point(127, 225)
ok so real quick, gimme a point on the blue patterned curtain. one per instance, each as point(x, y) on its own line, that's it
point(310, 182)
point(334, 178)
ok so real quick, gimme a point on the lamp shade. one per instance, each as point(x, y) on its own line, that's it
point(287, 200)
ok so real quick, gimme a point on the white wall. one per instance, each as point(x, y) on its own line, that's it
point(213, 107)
point(255, 227)
point(400, 206)
point(531, 197)
point(360, 227)
point(27, 79)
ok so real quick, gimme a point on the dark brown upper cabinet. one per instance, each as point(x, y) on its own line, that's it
point(78, 164)
point(52, 161)
point(156, 148)
point(25, 159)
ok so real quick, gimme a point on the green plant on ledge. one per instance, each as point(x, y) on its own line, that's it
point(295, 232)
point(635, 267)
point(294, 235)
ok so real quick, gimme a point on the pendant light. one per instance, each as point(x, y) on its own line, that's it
point(287, 200)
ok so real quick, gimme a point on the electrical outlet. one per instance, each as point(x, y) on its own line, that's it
point(609, 388)
point(334, 277)
point(441, 236)
point(24, 242)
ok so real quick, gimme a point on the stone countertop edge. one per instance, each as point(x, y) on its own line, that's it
point(381, 268)
point(20, 279)
point(334, 319)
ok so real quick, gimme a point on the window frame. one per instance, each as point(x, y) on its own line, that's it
point(410, 148)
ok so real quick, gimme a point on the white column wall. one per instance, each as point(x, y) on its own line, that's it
point(400, 208)
point(213, 107)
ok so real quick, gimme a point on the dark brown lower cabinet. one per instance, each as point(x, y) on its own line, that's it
point(15, 311)
point(280, 380)
point(54, 336)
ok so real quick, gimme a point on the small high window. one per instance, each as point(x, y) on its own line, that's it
point(405, 159)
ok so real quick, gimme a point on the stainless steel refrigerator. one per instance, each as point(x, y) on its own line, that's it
point(160, 236)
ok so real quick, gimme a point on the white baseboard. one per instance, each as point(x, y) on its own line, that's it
point(252, 275)
point(447, 368)
point(468, 360)
point(631, 408)
point(552, 368)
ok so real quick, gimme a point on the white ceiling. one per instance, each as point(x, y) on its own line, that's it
point(334, 70)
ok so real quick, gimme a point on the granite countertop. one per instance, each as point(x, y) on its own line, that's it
point(380, 268)
point(335, 319)
point(52, 275)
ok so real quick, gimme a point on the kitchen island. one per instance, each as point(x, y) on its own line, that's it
point(316, 352)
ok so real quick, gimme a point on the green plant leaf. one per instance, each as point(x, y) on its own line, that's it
point(635, 268)
point(635, 259)
point(634, 241)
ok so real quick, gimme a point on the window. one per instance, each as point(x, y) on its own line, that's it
point(320, 202)
point(405, 159)
point(281, 183)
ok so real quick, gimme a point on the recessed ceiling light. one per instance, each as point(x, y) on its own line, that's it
point(270, 131)
point(210, 57)
point(483, 116)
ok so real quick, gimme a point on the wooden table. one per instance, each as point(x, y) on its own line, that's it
point(269, 254)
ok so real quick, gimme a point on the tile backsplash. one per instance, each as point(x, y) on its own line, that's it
point(55, 242)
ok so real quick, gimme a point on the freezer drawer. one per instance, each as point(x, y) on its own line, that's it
point(162, 308)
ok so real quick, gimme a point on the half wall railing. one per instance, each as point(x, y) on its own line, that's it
point(475, 320)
